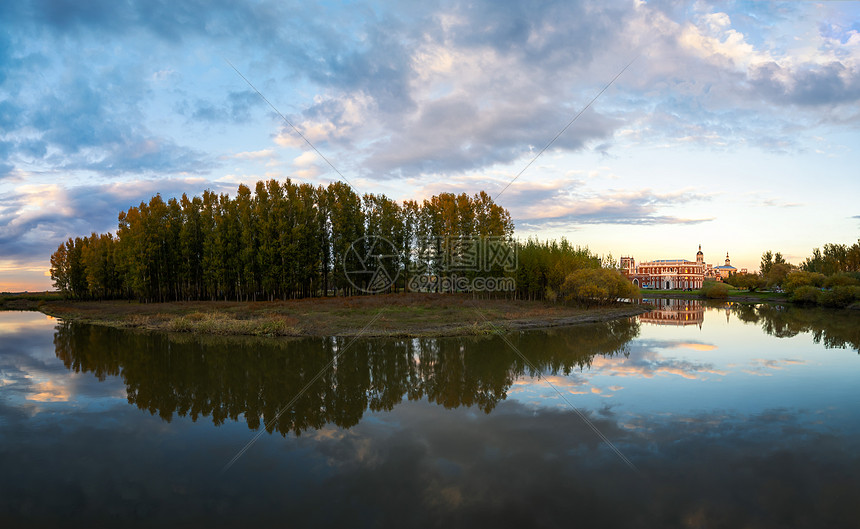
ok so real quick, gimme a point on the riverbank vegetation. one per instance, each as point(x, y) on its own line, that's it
point(830, 278)
point(402, 314)
point(291, 241)
point(26, 300)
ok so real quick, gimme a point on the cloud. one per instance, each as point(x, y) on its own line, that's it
point(35, 219)
point(263, 154)
point(568, 202)
point(777, 204)
point(5, 168)
point(810, 85)
point(94, 124)
point(455, 134)
point(236, 108)
point(572, 205)
point(443, 88)
point(448, 91)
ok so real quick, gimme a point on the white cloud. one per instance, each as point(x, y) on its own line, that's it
point(263, 154)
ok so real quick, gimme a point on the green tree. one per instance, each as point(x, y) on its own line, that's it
point(598, 286)
point(751, 282)
point(60, 270)
point(347, 227)
point(777, 275)
point(801, 278)
point(766, 262)
point(282, 240)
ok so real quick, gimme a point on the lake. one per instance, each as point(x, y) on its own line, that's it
point(692, 415)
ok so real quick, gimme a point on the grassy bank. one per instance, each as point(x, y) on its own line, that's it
point(399, 315)
point(744, 296)
point(733, 294)
point(27, 300)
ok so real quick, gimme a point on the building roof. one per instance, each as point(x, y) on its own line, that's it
point(669, 262)
point(726, 267)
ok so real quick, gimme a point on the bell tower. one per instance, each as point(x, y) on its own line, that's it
point(728, 262)
point(700, 257)
point(628, 266)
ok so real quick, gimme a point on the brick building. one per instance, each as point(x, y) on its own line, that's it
point(674, 274)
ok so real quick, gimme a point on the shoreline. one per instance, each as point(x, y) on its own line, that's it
point(392, 315)
point(743, 298)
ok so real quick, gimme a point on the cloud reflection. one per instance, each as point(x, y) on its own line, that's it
point(49, 391)
point(407, 461)
point(643, 362)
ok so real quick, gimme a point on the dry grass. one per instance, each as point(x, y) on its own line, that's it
point(410, 314)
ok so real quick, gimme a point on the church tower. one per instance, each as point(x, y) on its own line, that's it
point(628, 266)
point(728, 263)
point(700, 257)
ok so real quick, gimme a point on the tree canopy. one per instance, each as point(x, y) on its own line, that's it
point(288, 240)
point(282, 240)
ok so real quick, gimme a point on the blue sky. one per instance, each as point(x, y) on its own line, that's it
point(736, 127)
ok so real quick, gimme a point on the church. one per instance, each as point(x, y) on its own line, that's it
point(726, 270)
point(674, 274)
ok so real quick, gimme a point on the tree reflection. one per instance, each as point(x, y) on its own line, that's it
point(251, 378)
point(835, 328)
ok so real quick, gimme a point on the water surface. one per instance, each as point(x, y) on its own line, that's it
point(732, 415)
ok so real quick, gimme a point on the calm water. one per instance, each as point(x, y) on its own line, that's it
point(732, 416)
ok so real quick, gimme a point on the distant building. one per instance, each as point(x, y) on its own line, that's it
point(726, 270)
point(671, 274)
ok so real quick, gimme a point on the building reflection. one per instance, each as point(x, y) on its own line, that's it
point(674, 312)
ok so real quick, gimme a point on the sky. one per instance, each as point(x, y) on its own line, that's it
point(735, 125)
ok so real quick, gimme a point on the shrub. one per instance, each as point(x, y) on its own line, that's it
point(798, 279)
point(777, 274)
point(841, 280)
point(840, 296)
point(751, 282)
point(805, 294)
point(599, 286)
point(714, 290)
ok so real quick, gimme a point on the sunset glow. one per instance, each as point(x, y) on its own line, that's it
point(734, 127)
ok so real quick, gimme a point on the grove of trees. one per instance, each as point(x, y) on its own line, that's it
point(829, 277)
point(833, 259)
point(288, 240)
point(284, 240)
